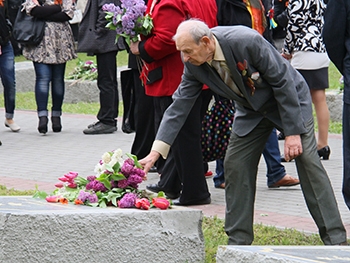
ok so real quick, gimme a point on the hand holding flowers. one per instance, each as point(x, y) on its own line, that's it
point(128, 20)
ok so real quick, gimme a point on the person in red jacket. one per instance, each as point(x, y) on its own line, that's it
point(161, 74)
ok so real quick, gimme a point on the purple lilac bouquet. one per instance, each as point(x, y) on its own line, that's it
point(128, 20)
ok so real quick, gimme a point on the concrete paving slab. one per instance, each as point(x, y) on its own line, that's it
point(285, 254)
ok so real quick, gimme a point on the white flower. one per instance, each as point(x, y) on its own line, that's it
point(118, 155)
point(106, 157)
point(99, 169)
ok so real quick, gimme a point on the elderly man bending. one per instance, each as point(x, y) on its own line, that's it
point(237, 63)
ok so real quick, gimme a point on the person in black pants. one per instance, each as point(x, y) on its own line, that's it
point(96, 39)
point(143, 117)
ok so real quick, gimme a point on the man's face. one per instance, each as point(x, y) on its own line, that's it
point(196, 54)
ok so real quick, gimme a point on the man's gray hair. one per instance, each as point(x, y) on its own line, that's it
point(196, 28)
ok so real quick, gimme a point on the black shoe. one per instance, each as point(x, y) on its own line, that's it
point(56, 124)
point(172, 195)
point(324, 152)
point(281, 136)
point(42, 127)
point(205, 201)
point(153, 170)
point(100, 128)
point(155, 188)
point(92, 124)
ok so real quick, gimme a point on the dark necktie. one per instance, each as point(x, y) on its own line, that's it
point(224, 73)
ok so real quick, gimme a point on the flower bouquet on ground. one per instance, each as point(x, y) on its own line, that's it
point(115, 183)
point(85, 70)
point(128, 20)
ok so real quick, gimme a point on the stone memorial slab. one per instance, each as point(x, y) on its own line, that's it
point(285, 254)
point(33, 230)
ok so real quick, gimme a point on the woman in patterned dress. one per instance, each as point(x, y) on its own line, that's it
point(304, 46)
point(50, 56)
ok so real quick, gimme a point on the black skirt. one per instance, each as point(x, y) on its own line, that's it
point(316, 78)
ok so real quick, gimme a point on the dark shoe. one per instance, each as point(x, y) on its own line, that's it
point(42, 127)
point(92, 124)
point(155, 188)
point(222, 186)
point(286, 181)
point(153, 170)
point(205, 201)
point(281, 136)
point(56, 124)
point(324, 152)
point(171, 195)
point(100, 128)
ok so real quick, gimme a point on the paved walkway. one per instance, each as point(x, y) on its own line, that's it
point(28, 158)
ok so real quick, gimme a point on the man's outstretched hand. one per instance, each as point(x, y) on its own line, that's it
point(149, 160)
point(292, 147)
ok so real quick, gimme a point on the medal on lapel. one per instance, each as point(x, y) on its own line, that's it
point(243, 68)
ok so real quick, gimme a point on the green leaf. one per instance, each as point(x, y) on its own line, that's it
point(106, 183)
point(117, 177)
point(40, 194)
point(109, 168)
point(102, 204)
point(80, 181)
point(117, 190)
point(116, 167)
point(114, 201)
point(161, 194)
point(134, 158)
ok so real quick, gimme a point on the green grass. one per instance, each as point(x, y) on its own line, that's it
point(5, 191)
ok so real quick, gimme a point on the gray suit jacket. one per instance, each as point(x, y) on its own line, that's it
point(281, 93)
point(94, 37)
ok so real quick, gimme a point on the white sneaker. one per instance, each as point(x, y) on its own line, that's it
point(13, 126)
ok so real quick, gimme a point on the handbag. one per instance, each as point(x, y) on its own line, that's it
point(216, 129)
point(28, 30)
point(127, 83)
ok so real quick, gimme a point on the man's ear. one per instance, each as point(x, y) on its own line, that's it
point(205, 40)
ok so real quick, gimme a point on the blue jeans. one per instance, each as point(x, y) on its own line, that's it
point(7, 74)
point(46, 74)
point(272, 155)
point(219, 177)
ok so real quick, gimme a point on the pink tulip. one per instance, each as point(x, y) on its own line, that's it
point(63, 179)
point(59, 185)
point(71, 175)
point(72, 185)
point(52, 199)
